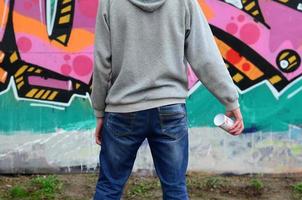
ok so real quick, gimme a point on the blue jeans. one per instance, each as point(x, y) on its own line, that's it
point(166, 129)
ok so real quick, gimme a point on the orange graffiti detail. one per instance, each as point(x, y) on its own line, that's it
point(209, 13)
point(76, 43)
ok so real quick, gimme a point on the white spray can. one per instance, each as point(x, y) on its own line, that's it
point(223, 121)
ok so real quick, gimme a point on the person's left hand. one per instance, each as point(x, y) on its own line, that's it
point(98, 130)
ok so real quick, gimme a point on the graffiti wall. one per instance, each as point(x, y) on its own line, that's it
point(46, 64)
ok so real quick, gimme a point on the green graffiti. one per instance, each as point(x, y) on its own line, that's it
point(259, 107)
point(23, 117)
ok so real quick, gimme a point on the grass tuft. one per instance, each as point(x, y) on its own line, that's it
point(38, 188)
point(213, 183)
point(297, 187)
point(18, 192)
point(45, 187)
point(256, 184)
point(143, 188)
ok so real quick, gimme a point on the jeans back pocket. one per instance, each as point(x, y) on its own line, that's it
point(173, 120)
point(120, 124)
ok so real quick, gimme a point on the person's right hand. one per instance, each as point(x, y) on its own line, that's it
point(98, 130)
point(238, 126)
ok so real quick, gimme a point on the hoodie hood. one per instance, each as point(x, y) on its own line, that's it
point(148, 5)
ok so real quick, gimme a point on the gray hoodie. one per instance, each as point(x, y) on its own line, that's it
point(141, 52)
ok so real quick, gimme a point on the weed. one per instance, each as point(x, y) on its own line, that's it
point(143, 188)
point(45, 187)
point(297, 187)
point(256, 184)
point(48, 184)
point(18, 192)
point(194, 183)
point(297, 190)
point(212, 183)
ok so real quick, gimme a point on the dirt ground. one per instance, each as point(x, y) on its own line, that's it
point(200, 187)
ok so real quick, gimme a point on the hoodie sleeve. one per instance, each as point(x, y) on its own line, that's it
point(205, 59)
point(102, 60)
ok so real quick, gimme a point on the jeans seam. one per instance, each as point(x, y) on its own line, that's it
point(106, 119)
point(132, 122)
point(160, 120)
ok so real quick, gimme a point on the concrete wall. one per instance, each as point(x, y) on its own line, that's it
point(46, 65)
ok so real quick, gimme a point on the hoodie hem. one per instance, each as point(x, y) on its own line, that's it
point(144, 105)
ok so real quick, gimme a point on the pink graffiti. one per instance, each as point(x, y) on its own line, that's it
point(76, 63)
point(285, 24)
point(52, 83)
point(284, 32)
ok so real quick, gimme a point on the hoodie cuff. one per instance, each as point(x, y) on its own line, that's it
point(232, 105)
point(98, 113)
